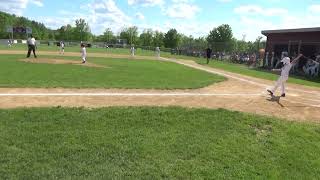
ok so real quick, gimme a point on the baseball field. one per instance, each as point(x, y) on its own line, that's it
point(142, 117)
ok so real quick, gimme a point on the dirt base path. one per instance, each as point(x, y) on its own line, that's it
point(75, 54)
point(60, 61)
point(240, 93)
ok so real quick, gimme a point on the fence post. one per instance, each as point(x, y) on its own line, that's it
point(267, 60)
point(299, 47)
point(289, 48)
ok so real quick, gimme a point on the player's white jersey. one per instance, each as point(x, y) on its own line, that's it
point(285, 70)
point(83, 51)
point(31, 41)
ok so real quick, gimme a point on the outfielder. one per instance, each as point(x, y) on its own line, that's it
point(83, 53)
point(285, 70)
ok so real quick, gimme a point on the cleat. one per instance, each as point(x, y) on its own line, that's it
point(283, 95)
point(270, 92)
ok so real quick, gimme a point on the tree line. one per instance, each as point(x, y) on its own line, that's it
point(39, 29)
point(219, 39)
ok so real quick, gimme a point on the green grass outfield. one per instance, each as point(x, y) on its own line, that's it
point(257, 73)
point(154, 143)
point(120, 73)
point(231, 67)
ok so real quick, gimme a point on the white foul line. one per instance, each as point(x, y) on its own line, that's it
point(216, 72)
point(237, 78)
point(123, 94)
point(305, 104)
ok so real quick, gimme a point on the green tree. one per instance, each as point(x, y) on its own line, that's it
point(83, 30)
point(190, 42)
point(146, 38)
point(51, 35)
point(61, 33)
point(158, 39)
point(39, 29)
point(220, 38)
point(185, 41)
point(130, 34)
point(4, 18)
point(259, 43)
point(68, 30)
point(241, 46)
point(256, 45)
point(171, 39)
point(201, 43)
point(108, 36)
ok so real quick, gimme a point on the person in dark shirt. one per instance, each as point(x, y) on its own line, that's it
point(209, 52)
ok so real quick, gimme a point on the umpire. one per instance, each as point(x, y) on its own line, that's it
point(31, 46)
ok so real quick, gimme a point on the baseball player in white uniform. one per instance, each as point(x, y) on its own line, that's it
point(83, 53)
point(132, 51)
point(285, 70)
point(9, 43)
point(61, 47)
point(157, 52)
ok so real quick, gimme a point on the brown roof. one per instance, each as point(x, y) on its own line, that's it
point(266, 32)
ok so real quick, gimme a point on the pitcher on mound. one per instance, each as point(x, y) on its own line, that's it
point(285, 70)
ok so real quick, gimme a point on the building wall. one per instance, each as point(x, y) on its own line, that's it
point(303, 36)
point(284, 38)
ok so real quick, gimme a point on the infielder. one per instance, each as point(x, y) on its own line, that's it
point(285, 70)
point(9, 43)
point(157, 52)
point(31, 46)
point(132, 51)
point(61, 47)
point(83, 53)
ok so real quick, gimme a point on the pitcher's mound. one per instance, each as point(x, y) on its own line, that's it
point(61, 61)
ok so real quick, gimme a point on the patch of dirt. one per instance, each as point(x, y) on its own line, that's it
point(262, 131)
point(60, 61)
point(256, 105)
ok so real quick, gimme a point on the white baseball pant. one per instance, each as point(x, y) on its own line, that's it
point(280, 82)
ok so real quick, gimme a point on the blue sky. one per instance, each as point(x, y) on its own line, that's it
point(191, 17)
